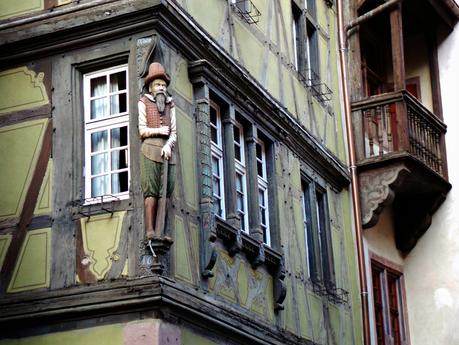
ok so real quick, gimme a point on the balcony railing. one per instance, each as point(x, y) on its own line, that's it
point(397, 122)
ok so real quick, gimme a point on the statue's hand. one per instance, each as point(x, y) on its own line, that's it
point(166, 152)
point(164, 130)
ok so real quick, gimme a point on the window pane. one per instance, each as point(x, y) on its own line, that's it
point(99, 163)
point(120, 182)
point(237, 134)
point(99, 141)
point(217, 207)
point(261, 198)
point(213, 135)
point(98, 86)
point(240, 202)
point(216, 186)
point(238, 182)
point(260, 169)
point(215, 169)
point(259, 154)
point(118, 104)
point(118, 81)
point(237, 152)
point(99, 185)
point(119, 159)
point(118, 137)
point(213, 116)
point(99, 108)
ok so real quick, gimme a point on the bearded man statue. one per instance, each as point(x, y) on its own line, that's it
point(157, 129)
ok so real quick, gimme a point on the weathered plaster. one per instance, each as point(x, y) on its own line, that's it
point(380, 238)
point(432, 267)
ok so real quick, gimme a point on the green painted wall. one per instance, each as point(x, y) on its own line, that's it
point(33, 265)
point(19, 149)
point(10, 8)
point(265, 49)
point(104, 335)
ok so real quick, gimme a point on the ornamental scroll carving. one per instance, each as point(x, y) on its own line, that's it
point(377, 189)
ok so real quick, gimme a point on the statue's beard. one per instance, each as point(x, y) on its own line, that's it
point(160, 99)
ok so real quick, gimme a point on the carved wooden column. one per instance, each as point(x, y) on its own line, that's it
point(208, 255)
point(252, 188)
point(232, 217)
point(401, 137)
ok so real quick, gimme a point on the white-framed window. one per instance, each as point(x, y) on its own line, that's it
point(217, 160)
point(263, 191)
point(241, 176)
point(106, 128)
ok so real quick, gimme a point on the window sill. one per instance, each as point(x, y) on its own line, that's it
point(333, 294)
point(101, 205)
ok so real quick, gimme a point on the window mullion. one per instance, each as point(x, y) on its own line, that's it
point(228, 119)
point(252, 188)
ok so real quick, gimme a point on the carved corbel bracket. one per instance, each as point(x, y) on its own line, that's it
point(377, 189)
point(154, 258)
point(280, 289)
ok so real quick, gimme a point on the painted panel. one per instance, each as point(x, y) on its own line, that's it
point(32, 269)
point(273, 82)
point(190, 338)
point(44, 201)
point(290, 94)
point(187, 150)
point(194, 229)
point(316, 313)
point(21, 88)
point(101, 236)
point(181, 255)
point(180, 81)
point(336, 322)
point(289, 307)
point(19, 149)
point(10, 8)
point(211, 16)
point(5, 241)
point(226, 276)
point(303, 315)
point(251, 49)
point(103, 335)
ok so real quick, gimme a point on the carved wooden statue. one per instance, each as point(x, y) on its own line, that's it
point(157, 129)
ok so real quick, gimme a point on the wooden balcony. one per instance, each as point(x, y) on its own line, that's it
point(401, 161)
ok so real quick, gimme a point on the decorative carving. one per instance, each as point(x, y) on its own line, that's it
point(377, 190)
point(280, 289)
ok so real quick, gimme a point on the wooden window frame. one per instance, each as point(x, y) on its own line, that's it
point(263, 188)
point(106, 123)
point(240, 168)
point(320, 261)
point(387, 269)
point(229, 118)
point(217, 153)
point(305, 33)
